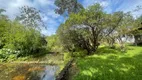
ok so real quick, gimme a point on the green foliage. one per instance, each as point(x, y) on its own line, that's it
point(53, 43)
point(137, 24)
point(14, 37)
point(30, 17)
point(91, 27)
point(1, 13)
point(69, 6)
point(85, 29)
point(24, 40)
point(2, 10)
point(79, 52)
point(8, 54)
point(67, 57)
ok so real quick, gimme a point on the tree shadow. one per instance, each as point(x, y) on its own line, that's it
point(133, 45)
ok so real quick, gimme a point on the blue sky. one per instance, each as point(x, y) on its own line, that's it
point(53, 20)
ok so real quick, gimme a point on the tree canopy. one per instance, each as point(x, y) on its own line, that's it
point(91, 26)
point(30, 17)
point(67, 6)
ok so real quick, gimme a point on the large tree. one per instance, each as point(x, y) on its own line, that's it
point(88, 28)
point(85, 28)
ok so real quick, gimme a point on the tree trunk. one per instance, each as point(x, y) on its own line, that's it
point(95, 39)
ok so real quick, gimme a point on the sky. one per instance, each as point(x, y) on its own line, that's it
point(53, 20)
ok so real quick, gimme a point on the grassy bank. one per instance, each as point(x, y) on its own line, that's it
point(110, 64)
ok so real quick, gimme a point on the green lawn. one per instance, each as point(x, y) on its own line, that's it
point(110, 64)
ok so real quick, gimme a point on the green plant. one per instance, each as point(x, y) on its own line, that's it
point(80, 53)
point(67, 57)
point(8, 54)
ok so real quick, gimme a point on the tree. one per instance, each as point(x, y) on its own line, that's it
point(4, 22)
point(123, 28)
point(85, 29)
point(136, 31)
point(110, 33)
point(67, 6)
point(91, 26)
point(30, 17)
point(17, 38)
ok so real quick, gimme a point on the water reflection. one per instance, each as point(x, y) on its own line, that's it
point(28, 71)
point(49, 73)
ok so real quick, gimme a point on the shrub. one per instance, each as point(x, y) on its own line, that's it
point(19, 38)
point(53, 43)
point(8, 54)
point(80, 53)
point(67, 57)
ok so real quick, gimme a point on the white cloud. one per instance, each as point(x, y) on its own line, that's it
point(12, 6)
point(103, 3)
point(131, 6)
point(44, 2)
point(87, 3)
point(111, 6)
point(45, 6)
point(53, 20)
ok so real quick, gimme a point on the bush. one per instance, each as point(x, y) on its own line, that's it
point(67, 57)
point(27, 41)
point(81, 53)
point(53, 43)
point(8, 55)
point(17, 37)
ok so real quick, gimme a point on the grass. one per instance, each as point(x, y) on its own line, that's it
point(110, 64)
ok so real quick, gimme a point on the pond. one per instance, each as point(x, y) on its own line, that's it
point(31, 71)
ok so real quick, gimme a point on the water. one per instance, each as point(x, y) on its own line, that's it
point(49, 73)
point(28, 71)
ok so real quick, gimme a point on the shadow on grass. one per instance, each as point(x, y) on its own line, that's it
point(111, 68)
point(139, 45)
